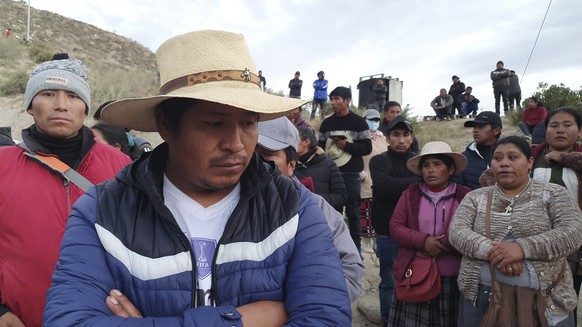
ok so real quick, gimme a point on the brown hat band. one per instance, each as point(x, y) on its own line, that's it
point(209, 76)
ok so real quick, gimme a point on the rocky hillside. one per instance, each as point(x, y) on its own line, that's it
point(119, 67)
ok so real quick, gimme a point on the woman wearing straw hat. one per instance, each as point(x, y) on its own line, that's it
point(420, 227)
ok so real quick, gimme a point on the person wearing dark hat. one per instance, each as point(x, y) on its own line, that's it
point(392, 109)
point(456, 89)
point(486, 131)
point(500, 78)
point(295, 86)
point(200, 231)
point(345, 137)
point(38, 190)
point(390, 178)
point(319, 95)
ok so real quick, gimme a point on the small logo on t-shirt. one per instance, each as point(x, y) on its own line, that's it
point(204, 254)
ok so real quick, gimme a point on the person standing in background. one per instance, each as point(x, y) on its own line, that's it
point(320, 95)
point(391, 110)
point(514, 91)
point(390, 178)
point(345, 137)
point(379, 145)
point(500, 78)
point(295, 86)
point(262, 81)
point(380, 90)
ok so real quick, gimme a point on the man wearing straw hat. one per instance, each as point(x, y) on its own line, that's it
point(199, 232)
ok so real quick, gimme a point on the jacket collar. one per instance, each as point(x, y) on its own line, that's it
point(147, 173)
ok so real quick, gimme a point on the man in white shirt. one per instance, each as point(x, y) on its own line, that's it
point(199, 231)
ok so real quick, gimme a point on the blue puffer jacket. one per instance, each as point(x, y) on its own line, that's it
point(122, 236)
point(476, 166)
point(320, 86)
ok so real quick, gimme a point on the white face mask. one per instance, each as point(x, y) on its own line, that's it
point(373, 124)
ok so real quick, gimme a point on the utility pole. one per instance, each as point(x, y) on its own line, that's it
point(28, 23)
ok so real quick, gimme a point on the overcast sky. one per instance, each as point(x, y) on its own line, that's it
point(421, 42)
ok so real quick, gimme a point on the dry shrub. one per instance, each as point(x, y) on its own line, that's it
point(14, 83)
point(39, 53)
point(119, 83)
point(11, 50)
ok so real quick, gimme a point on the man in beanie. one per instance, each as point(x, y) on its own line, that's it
point(35, 201)
point(348, 135)
point(200, 231)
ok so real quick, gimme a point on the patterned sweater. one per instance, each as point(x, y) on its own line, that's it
point(545, 222)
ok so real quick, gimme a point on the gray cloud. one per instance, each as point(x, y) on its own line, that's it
point(423, 43)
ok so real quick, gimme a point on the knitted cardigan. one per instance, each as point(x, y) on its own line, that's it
point(545, 222)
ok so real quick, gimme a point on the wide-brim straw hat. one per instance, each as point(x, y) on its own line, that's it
point(214, 66)
point(337, 155)
point(437, 147)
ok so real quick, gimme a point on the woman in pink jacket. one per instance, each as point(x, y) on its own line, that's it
point(420, 226)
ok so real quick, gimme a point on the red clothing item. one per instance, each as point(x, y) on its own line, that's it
point(34, 206)
point(404, 227)
point(533, 116)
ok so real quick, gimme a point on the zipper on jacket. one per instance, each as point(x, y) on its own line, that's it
point(434, 219)
point(66, 184)
point(444, 207)
point(435, 205)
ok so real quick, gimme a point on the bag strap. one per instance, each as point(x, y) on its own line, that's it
point(559, 279)
point(488, 233)
point(488, 226)
point(58, 167)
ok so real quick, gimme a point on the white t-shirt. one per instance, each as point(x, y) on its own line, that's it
point(203, 227)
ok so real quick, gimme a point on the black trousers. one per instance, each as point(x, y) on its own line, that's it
point(501, 92)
